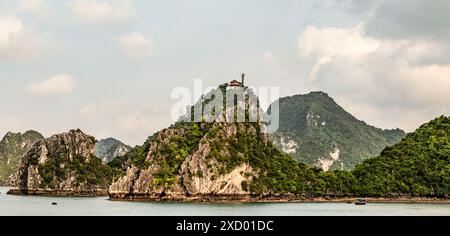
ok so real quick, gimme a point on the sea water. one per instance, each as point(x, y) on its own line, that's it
point(100, 206)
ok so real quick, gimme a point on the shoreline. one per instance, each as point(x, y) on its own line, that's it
point(250, 199)
point(53, 193)
point(225, 199)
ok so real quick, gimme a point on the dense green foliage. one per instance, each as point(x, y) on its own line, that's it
point(417, 166)
point(136, 156)
point(59, 167)
point(12, 147)
point(278, 172)
point(170, 156)
point(319, 126)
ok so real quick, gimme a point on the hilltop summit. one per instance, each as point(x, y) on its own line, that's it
point(315, 130)
point(63, 164)
point(12, 147)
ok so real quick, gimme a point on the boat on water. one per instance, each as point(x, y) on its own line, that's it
point(360, 202)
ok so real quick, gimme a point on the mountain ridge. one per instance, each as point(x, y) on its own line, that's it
point(315, 130)
point(12, 147)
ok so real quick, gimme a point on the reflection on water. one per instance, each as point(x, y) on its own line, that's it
point(24, 205)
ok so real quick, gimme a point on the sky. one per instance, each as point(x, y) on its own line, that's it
point(109, 67)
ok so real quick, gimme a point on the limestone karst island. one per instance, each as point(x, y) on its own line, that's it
point(320, 153)
point(202, 108)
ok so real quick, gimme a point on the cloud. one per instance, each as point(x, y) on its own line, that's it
point(377, 78)
point(134, 45)
point(124, 120)
point(56, 85)
point(324, 45)
point(401, 19)
point(97, 12)
point(357, 6)
point(18, 41)
point(411, 18)
point(35, 7)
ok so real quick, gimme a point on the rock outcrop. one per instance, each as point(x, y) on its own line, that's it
point(197, 161)
point(108, 149)
point(12, 148)
point(198, 176)
point(63, 164)
point(202, 175)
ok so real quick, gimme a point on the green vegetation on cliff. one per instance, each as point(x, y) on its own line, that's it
point(316, 131)
point(195, 154)
point(180, 146)
point(168, 154)
point(417, 166)
point(226, 146)
point(58, 169)
point(12, 148)
point(64, 162)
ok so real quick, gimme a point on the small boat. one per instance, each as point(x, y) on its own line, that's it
point(360, 202)
point(54, 203)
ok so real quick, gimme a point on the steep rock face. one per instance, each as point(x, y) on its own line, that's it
point(124, 186)
point(12, 147)
point(202, 175)
point(286, 143)
point(196, 160)
point(63, 164)
point(313, 127)
point(329, 160)
point(198, 174)
point(140, 181)
point(108, 149)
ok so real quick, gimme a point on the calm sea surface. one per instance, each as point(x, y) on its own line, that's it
point(42, 206)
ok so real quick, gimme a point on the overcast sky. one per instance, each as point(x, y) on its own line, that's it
point(109, 66)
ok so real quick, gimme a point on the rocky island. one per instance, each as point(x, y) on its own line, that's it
point(62, 165)
point(200, 161)
point(12, 148)
point(223, 161)
point(236, 161)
